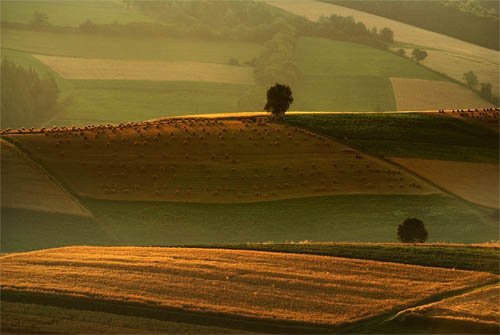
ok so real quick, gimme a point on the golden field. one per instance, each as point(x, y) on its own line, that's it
point(215, 161)
point(420, 94)
point(25, 185)
point(267, 286)
point(474, 182)
point(479, 308)
point(447, 55)
point(118, 69)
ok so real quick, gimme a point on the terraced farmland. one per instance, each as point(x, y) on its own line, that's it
point(283, 290)
point(203, 160)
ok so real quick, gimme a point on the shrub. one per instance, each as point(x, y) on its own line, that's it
point(412, 230)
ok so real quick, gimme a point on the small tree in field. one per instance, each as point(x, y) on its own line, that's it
point(418, 54)
point(412, 230)
point(471, 79)
point(279, 99)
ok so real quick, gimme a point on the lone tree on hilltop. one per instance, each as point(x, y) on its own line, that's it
point(412, 230)
point(471, 79)
point(418, 54)
point(279, 99)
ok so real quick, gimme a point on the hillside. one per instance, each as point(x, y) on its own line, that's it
point(470, 22)
point(447, 55)
point(247, 290)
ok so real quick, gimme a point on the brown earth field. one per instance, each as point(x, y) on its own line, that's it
point(475, 182)
point(477, 310)
point(119, 69)
point(212, 161)
point(26, 185)
point(306, 290)
point(420, 94)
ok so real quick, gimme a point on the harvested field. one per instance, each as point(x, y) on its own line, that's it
point(446, 54)
point(478, 310)
point(316, 290)
point(116, 69)
point(475, 182)
point(26, 185)
point(420, 94)
point(203, 160)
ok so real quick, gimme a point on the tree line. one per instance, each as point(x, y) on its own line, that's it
point(27, 99)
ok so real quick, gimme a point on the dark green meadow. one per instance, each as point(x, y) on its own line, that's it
point(352, 218)
point(431, 136)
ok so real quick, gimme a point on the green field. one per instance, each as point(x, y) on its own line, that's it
point(118, 101)
point(71, 12)
point(335, 218)
point(343, 76)
point(102, 101)
point(408, 135)
point(127, 47)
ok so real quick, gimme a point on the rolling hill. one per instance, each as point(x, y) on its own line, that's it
point(242, 290)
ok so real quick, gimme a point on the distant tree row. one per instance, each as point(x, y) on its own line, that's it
point(474, 21)
point(27, 99)
point(483, 89)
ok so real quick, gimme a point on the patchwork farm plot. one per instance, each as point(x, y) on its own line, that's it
point(259, 286)
point(446, 54)
point(204, 160)
point(25, 185)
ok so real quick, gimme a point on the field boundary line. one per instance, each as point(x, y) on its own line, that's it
point(389, 161)
point(130, 308)
point(365, 324)
point(52, 178)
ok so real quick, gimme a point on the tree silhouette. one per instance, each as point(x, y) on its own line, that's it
point(419, 55)
point(412, 230)
point(471, 79)
point(279, 98)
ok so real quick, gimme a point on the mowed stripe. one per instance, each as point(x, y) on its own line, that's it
point(307, 288)
point(118, 69)
point(420, 94)
point(27, 186)
point(475, 182)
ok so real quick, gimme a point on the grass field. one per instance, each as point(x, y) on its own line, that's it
point(446, 54)
point(71, 12)
point(20, 318)
point(429, 136)
point(473, 312)
point(419, 94)
point(476, 182)
point(338, 218)
point(127, 47)
point(26, 185)
point(258, 286)
point(103, 101)
point(342, 76)
point(211, 161)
